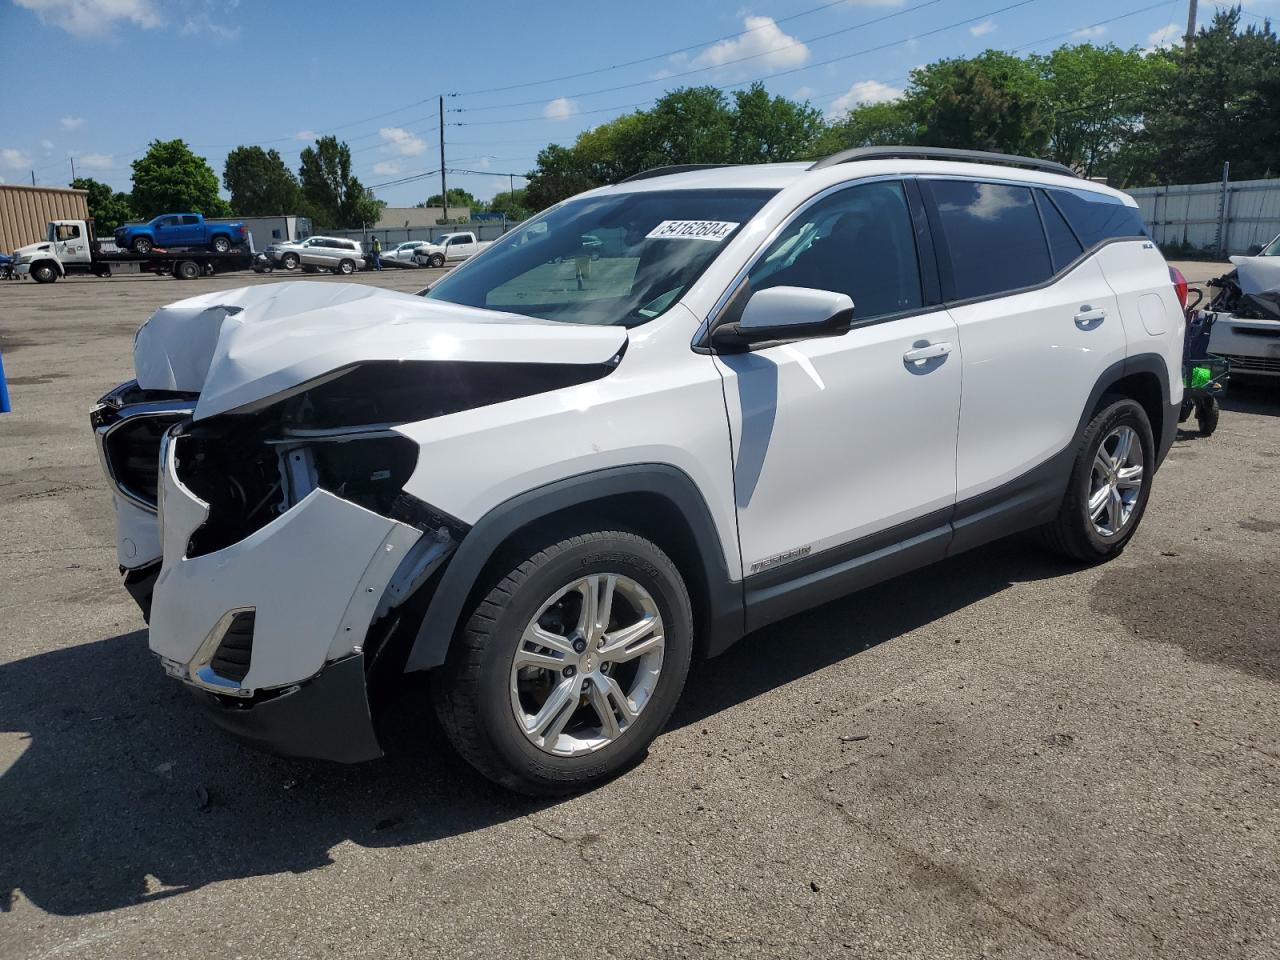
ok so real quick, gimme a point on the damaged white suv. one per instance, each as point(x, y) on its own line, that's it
point(656, 417)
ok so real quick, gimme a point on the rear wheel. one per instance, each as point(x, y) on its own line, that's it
point(570, 666)
point(142, 245)
point(1207, 413)
point(186, 270)
point(346, 267)
point(222, 244)
point(1109, 486)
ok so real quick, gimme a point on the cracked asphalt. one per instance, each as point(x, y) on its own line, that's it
point(1002, 756)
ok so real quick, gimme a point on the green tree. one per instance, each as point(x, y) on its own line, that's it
point(333, 197)
point(690, 125)
point(108, 208)
point(869, 125)
point(766, 129)
point(458, 197)
point(994, 101)
point(1098, 100)
point(510, 203)
point(169, 178)
point(259, 182)
point(560, 173)
point(1220, 103)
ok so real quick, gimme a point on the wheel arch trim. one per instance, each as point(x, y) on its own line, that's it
point(724, 614)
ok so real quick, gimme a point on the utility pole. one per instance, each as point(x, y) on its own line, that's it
point(444, 182)
point(73, 168)
point(33, 178)
point(1191, 26)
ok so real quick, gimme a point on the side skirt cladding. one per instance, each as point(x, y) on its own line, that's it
point(722, 620)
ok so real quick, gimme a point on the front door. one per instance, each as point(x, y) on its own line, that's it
point(844, 448)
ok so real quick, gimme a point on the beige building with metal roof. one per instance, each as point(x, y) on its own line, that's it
point(25, 212)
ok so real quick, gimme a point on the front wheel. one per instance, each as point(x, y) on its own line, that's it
point(437, 260)
point(222, 244)
point(44, 273)
point(1109, 486)
point(570, 666)
point(289, 261)
point(142, 245)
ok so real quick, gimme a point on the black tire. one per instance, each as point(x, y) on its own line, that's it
point(142, 246)
point(346, 268)
point(472, 690)
point(186, 270)
point(1073, 533)
point(289, 261)
point(310, 268)
point(44, 273)
point(222, 244)
point(103, 273)
point(437, 260)
point(1207, 413)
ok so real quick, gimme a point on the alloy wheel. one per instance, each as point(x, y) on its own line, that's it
point(587, 664)
point(1115, 482)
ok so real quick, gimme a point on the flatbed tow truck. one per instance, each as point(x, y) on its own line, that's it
point(71, 249)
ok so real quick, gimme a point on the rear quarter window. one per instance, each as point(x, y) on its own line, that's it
point(1096, 217)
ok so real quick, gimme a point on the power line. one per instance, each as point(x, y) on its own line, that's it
point(1089, 26)
point(719, 66)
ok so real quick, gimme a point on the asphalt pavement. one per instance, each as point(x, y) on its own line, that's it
point(1005, 755)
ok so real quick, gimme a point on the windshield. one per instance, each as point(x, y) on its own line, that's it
point(620, 259)
point(1272, 249)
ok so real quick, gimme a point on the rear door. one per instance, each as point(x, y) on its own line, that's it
point(191, 230)
point(1037, 323)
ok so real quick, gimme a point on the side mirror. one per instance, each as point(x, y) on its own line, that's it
point(1254, 250)
point(787, 313)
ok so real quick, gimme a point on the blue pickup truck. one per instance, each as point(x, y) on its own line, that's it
point(189, 230)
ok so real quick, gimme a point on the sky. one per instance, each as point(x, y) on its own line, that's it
point(97, 80)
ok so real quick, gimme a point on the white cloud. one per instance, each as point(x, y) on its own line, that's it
point(561, 108)
point(14, 158)
point(764, 42)
point(87, 18)
point(1084, 33)
point(804, 93)
point(401, 143)
point(1166, 36)
point(96, 161)
point(386, 168)
point(661, 74)
point(876, 3)
point(864, 91)
point(47, 145)
point(200, 19)
point(72, 123)
point(983, 28)
point(306, 135)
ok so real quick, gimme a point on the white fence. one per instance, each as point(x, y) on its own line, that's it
point(1221, 218)
point(483, 229)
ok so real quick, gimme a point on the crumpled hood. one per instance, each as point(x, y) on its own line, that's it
point(235, 347)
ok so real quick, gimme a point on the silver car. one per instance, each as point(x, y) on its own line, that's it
point(319, 253)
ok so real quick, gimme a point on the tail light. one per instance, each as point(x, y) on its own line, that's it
point(1179, 285)
point(244, 230)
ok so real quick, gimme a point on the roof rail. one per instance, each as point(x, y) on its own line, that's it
point(941, 153)
point(673, 168)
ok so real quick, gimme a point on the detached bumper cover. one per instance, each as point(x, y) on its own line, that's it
point(325, 718)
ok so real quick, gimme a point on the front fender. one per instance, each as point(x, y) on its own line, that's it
point(724, 619)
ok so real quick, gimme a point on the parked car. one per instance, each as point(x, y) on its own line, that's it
point(178, 230)
point(403, 252)
point(778, 384)
point(337, 254)
point(450, 247)
point(1245, 327)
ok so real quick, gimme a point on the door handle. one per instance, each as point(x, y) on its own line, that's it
point(931, 352)
point(1089, 317)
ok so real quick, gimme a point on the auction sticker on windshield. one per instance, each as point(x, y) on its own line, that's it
point(714, 230)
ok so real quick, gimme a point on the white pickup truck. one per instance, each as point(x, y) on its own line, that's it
point(452, 246)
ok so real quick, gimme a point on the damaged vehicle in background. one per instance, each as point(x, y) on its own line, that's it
point(1246, 313)
point(550, 482)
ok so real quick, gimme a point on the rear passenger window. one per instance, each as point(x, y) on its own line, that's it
point(1096, 217)
point(190, 220)
point(1063, 245)
point(993, 235)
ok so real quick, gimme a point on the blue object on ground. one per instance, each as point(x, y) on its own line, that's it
point(4, 389)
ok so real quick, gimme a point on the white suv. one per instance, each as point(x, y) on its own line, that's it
point(656, 417)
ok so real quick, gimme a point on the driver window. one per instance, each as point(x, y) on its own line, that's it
point(858, 242)
point(68, 231)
